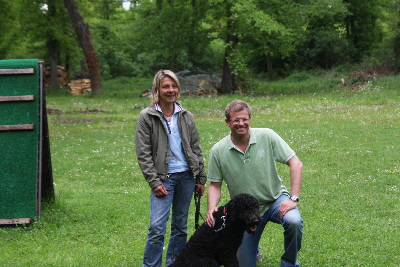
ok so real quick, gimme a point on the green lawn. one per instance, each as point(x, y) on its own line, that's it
point(348, 141)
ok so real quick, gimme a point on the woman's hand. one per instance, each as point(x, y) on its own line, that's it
point(199, 189)
point(160, 191)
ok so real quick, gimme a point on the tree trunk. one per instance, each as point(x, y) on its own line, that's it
point(159, 4)
point(52, 47)
point(106, 10)
point(83, 35)
point(173, 65)
point(269, 67)
point(228, 79)
point(396, 50)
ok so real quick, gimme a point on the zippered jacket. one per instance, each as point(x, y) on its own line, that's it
point(152, 146)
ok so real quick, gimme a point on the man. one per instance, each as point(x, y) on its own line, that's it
point(246, 161)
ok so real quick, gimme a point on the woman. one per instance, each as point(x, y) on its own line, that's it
point(170, 157)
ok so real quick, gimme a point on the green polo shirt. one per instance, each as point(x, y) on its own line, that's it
point(253, 172)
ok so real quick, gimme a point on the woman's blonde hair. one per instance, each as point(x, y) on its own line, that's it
point(155, 91)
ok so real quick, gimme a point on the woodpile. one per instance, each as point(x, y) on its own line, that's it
point(79, 87)
point(203, 92)
point(62, 76)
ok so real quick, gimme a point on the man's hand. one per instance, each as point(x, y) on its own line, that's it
point(285, 206)
point(210, 217)
point(160, 191)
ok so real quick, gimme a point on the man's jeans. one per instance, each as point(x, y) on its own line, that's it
point(180, 187)
point(293, 233)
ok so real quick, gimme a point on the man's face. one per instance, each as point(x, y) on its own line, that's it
point(239, 123)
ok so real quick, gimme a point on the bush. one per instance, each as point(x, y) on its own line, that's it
point(298, 77)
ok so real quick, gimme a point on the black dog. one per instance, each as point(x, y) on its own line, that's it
point(218, 245)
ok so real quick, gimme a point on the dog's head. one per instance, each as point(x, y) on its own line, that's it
point(243, 209)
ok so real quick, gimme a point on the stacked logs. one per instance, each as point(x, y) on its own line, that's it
point(78, 87)
point(62, 76)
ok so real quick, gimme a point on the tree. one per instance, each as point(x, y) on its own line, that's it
point(237, 37)
point(7, 27)
point(232, 40)
point(396, 49)
point(83, 36)
point(169, 33)
point(224, 24)
point(53, 46)
point(278, 27)
point(252, 28)
point(325, 43)
point(395, 17)
point(37, 30)
point(362, 27)
point(108, 8)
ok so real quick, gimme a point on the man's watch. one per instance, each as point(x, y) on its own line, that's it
point(294, 198)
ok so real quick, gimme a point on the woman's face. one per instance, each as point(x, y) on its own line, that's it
point(168, 91)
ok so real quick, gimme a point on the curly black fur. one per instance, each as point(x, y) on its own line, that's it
point(218, 245)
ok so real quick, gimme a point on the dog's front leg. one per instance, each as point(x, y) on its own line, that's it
point(232, 262)
point(229, 259)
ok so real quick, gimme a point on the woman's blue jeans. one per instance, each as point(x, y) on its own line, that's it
point(293, 233)
point(180, 187)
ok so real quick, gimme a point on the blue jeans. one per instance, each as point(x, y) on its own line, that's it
point(180, 187)
point(293, 233)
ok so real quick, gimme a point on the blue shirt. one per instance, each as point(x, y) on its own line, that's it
point(176, 160)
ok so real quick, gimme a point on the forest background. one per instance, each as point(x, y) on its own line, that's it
point(288, 55)
point(241, 41)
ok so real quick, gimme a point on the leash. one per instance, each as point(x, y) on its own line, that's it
point(197, 215)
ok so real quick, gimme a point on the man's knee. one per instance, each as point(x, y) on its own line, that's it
point(293, 220)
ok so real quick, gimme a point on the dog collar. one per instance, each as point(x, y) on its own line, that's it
point(223, 218)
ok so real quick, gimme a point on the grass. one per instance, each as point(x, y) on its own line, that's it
point(347, 140)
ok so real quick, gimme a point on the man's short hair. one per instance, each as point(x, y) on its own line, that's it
point(235, 106)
